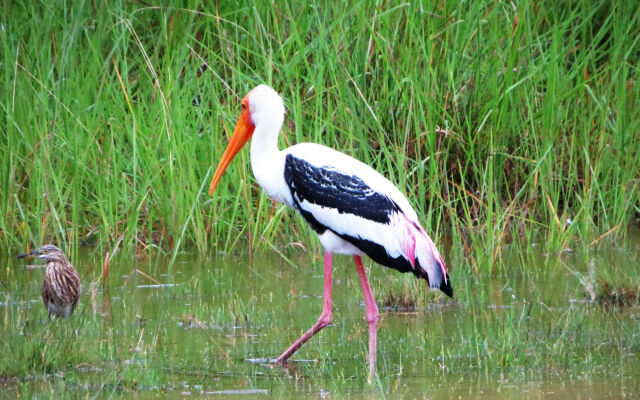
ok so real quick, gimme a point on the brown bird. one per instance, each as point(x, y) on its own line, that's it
point(61, 285)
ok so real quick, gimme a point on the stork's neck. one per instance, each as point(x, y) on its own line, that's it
point(267, 162)
point(264, 142)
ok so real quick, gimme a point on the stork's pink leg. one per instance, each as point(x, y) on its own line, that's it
point(325, 317)
point(372, 315)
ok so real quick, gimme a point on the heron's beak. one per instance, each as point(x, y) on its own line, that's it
point(241, 134)
point(31, 253)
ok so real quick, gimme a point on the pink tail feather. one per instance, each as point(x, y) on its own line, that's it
point(417, 245)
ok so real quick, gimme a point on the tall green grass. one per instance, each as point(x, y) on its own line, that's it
point(499, 120)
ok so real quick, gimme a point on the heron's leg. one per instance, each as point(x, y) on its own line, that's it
point(325, 317)
point(372, 315)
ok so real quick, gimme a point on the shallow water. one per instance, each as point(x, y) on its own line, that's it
point(207, 330)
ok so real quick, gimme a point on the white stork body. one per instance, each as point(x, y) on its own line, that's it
point(353, 209)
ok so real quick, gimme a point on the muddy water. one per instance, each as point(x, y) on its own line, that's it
point(207, 329)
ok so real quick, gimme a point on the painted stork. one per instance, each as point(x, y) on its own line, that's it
point(352, 208)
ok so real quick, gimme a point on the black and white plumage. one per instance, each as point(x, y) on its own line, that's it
point(353, 209)
point(337, 203)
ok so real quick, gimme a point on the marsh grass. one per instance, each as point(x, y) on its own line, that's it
point(513, 129)
point(497, 120)
point(201, 333)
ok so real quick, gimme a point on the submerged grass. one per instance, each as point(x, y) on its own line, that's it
point(214, 327)
point(499, 120)
point(508, 125)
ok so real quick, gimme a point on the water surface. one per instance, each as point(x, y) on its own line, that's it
point(207, 329)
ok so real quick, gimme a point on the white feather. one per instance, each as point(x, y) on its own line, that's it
point(268, 162)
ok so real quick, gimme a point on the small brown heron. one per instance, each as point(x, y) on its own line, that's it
point(61, 285)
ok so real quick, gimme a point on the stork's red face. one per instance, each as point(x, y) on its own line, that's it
point(241, 135)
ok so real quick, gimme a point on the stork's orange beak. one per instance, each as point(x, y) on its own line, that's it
point(241, 134)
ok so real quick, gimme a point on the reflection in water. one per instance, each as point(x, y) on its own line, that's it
point(5, 320)
point(212, 326)
point(106, 305)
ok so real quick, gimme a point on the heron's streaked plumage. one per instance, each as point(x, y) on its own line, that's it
point(61, 284)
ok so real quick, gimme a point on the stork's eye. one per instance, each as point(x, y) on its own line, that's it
point(244, 106)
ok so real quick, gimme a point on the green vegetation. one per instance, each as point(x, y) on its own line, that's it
point(508, 126)
point(214, 326)
point(498, 120)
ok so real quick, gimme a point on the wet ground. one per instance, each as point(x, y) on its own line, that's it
point(208, 329)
